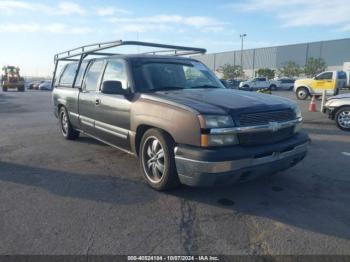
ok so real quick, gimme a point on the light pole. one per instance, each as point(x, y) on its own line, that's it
point(242, 38)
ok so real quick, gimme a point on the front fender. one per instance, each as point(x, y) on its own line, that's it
point(181, 124)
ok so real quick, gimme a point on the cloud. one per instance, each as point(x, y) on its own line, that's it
point(56, 28)
point(301, 13)
point(69, 8)
point(63, 8)
point(166, 22)
point(109, 11)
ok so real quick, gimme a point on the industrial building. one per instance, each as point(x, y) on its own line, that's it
point(334, 52)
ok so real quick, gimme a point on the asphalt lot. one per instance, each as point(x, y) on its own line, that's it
point(83, 197)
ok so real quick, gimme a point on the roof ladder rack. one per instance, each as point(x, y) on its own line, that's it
point(80, 53)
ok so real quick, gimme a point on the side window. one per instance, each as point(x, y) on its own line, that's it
point(325, 76)
point(93, 75)
point(115, 70)
point(68, 75)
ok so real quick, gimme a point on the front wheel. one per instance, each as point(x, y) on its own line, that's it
point(157, 161)
point(4, 89)
point(342, 118)
point(302, 93)
point(67, 129)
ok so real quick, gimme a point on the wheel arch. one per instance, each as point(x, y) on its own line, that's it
point(141, 130)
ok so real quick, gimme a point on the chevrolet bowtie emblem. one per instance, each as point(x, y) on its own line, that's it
point(274, 126)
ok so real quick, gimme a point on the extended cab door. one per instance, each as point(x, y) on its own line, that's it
point(324, 81)
point(112, 113)
point(87, 96)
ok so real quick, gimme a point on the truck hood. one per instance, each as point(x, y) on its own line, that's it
point(222, 101)
point(341, 96)
point(305, 81)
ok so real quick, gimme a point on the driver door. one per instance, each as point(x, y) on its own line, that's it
point(323, 81)
point(112, 111)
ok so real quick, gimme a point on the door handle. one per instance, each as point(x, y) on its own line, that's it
point(97, 101)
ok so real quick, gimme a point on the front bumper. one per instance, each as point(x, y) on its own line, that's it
point(206, 167)
point(329, 111)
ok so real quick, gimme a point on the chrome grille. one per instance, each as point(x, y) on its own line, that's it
point(263, 118)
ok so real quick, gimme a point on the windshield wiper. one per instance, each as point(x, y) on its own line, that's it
point(205, 86)
point(163, 88)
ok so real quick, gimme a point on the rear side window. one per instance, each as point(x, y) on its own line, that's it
point(93, 75)
point(341, 75)
point(68, 75)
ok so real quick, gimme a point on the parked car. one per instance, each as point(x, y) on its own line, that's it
point(46, 85)
point(175, 115)
point(338, 109)
point(35, 85)
point(331, 81)
point(283, 84)
point(257, 83)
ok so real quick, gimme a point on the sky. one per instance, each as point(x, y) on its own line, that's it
point(32, 31)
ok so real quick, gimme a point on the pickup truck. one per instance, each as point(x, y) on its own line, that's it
point(331, 81)
point(255, 84)
point(176, 117)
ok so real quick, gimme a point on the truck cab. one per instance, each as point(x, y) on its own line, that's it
point(331, 81)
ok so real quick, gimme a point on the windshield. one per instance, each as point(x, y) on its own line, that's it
point(156, 76)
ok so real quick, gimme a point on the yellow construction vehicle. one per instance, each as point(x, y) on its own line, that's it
point(11, 78)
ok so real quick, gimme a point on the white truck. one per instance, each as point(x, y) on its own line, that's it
point(257, 83)
point(331, 81)
point(263, 82)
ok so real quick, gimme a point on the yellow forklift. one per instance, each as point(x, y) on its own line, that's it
point(11, 78)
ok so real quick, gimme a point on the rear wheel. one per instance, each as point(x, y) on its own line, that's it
point(21, 89)
point(157, 161)
point(302, 93)
point(67, 129)
point(342, 118)
point(4, 88)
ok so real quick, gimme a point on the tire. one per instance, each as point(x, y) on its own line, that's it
point(302, 93)
point(66, 127)
point(342, 118)
point(273, 87)
point(157, 160)
point(4, 89)
point(21, 89)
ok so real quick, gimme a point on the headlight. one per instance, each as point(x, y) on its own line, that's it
point(215, 121)
point(218, 140)
point(297, 112)
point(298, 115)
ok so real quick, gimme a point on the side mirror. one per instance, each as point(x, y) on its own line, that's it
point(113, 88)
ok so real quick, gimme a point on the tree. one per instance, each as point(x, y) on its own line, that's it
point(290, 69)
point(231, 71)
point(314, 66)
point(266, 72)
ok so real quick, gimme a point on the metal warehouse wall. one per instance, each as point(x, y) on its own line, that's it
point(335, 53)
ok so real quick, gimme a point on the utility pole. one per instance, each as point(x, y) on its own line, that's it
point(242, 39)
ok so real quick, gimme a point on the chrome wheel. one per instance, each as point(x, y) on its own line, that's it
point(64, 123)
point(302, 94)
point(344, 119)
point(153, 159)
